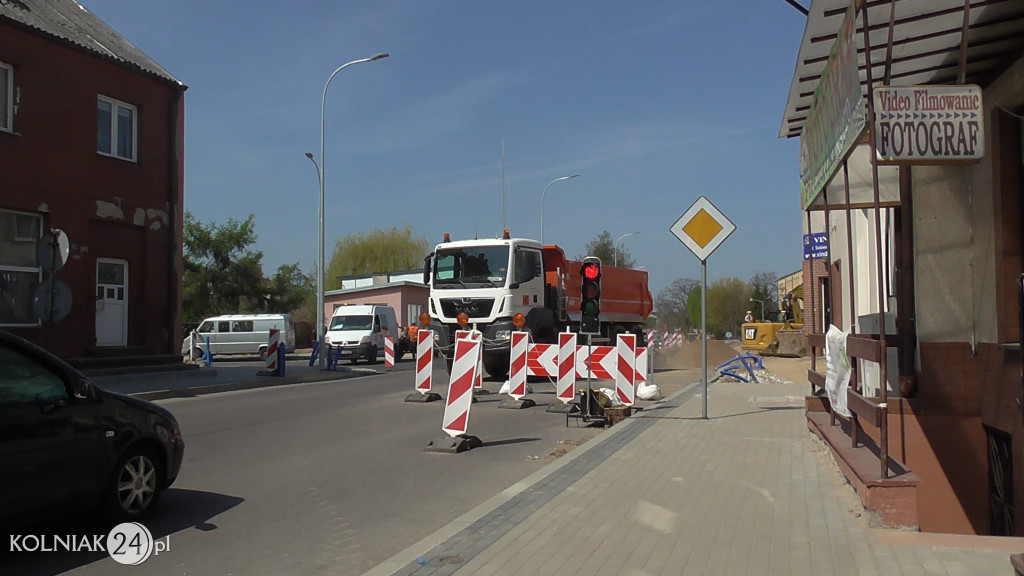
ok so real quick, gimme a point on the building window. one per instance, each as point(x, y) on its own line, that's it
point(116, 128)
point(6, 97)
point(20, 273)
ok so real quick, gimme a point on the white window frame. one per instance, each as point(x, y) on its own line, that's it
point(112, 129)
point(8, 113)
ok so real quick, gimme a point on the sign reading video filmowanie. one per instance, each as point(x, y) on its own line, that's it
point(929, 124)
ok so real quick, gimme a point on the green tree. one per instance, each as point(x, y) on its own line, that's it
point(611, 255)
point(223, 274)
point(727, 302)
point(764, 288)
point(291, 291)
point(377, 251)
point(672, 302)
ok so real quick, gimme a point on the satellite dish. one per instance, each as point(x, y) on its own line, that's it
point(61, 301)
point(52, 250)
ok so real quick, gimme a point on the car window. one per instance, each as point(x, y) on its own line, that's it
point(241, 326)
point(358, 322)
point(23, 380)
point(205, 327)
point(223, 326)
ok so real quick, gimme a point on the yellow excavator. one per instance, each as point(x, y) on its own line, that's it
point(782, 338)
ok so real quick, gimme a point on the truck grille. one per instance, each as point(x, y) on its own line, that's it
point(475, 307)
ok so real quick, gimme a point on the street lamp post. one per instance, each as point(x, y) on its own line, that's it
point(615, 249)
point(761, 302)
point(322, 172)
point(542, 202)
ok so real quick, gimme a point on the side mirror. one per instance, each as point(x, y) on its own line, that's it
point(426, 268)
point(82, 389)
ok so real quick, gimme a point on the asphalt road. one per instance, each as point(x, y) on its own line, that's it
point(319, 478)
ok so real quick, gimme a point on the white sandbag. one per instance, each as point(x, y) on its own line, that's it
point(505, 388)
point(648, 392)
point(611, 396)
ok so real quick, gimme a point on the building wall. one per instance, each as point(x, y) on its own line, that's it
point(967, 377)
point(398, 296)
point(108, 207)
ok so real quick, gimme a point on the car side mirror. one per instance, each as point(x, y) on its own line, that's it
point(82, 389)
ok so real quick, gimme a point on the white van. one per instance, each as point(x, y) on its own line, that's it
point(240, 334)
point(360, 329)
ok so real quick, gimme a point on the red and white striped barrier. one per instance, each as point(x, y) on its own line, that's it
point(424, 360)
point(641, 367)
point(517, 365)
point(474, 335)
point(460, 388)
point(272, 343)
point(566, 366)
point(389, 352)
point(542, 360)
point(601, 360)
point(624, 380)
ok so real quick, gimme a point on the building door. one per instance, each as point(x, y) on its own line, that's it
point(111, 302)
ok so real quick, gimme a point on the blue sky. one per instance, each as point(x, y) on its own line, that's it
point(653, 103)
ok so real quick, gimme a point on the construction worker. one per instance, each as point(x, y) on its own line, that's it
point(748, 318)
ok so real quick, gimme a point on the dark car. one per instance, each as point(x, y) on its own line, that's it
point(66, 443)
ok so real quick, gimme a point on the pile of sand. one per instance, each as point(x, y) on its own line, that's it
point(688, 356)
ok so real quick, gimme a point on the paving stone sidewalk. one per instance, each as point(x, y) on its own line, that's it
point(748, 491)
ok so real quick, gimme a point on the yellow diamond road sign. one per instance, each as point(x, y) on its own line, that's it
point(702, 228)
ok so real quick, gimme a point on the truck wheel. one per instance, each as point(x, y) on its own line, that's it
point(448, 360)
point(371, 356)
point(497, 370)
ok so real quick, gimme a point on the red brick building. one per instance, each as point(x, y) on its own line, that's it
point(91, 144)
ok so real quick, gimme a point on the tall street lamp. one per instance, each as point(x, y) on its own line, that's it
point(615, 250)
point(323, 177)
point(761, 302)
point(542, 202)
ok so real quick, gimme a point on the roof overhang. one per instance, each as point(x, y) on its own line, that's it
point(927, 36)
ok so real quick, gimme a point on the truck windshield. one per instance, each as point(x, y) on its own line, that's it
point(359, 322)
point(487, 265)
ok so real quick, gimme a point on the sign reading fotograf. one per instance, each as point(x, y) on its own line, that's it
point(929, 124)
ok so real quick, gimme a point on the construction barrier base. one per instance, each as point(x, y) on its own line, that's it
point(513, 404)
point(561, 408)
point(423, 398)
point(481, 392)
point(449, 445)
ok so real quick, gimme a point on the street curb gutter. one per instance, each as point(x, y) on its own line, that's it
point(440, 536)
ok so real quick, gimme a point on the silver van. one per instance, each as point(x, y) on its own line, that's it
point(239, 334)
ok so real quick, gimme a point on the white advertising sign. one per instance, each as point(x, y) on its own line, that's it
point(929, 124)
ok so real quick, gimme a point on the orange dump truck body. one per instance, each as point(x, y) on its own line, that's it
point(625, 296)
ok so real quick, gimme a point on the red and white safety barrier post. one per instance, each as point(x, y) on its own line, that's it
point(641, 368)
point(273, 342)
point(517, 373)
point(424, 368)
point(566, 367)
point(624, 380)
point(478, 384)
point(389, 352)
point(460, 399)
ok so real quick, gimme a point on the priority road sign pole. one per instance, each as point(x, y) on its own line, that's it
point(704, 331)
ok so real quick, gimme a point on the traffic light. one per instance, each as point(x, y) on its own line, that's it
point(590, 302)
